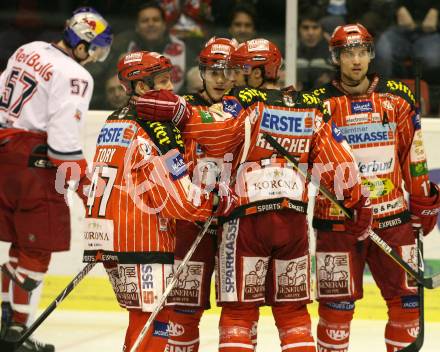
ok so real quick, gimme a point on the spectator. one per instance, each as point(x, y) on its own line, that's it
point(151, 34)
point(314, 67)
point(416, 37)
point(243, 20)
point(373, 14)
point(194, 83)
point(115, 95)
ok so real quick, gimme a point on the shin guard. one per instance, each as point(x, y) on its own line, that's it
point(184, 330)
point(334, 326)
point(403, 322)
point(294, 328)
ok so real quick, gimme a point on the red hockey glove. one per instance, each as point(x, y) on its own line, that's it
point(163, 105)
point(361, 221)
point(425, 210)
point(227, 200)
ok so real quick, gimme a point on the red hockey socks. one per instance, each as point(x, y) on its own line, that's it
point(333, 333)
point(157, 335)
point(236, 322)
point(23, 283)
point(403, 322)
point(184, 330)
point(6, 279)
point(294, 328)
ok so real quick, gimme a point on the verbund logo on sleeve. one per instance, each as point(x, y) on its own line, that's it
point(358, 107)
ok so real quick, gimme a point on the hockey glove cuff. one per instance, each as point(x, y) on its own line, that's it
point(163, 105)
point(360, 223)
point(425, 210)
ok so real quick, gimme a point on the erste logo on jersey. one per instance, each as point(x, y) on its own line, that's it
point(359, 107)
point(292, 123)
point(116, 134)
point(369, 133)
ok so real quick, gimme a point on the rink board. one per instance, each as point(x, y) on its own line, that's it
point(95, 293)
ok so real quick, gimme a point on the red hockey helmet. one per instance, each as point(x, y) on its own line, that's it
point(141, 65)
point(257, 53)
point(216, 53)
point(349, 36)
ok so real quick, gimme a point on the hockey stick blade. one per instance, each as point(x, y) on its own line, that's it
point(426, 282)
point(429, 283)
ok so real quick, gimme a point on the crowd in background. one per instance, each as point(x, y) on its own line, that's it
point(406, 32)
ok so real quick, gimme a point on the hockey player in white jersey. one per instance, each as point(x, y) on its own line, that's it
point(44, 96)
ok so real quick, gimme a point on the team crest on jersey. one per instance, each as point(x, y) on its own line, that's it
point(123, 113)
point(254, 274)
point(292, 279)
point(188, 288)
point(333, 271)
point(288, 100)
point(386, 104)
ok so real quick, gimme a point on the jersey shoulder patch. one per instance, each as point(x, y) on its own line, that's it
point(125, 113)
point(306, 99)
point(326, 91)
point(248, 96)
point(196, 100)
point(398, 88)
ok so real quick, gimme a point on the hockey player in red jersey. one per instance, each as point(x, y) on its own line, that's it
point(130, 223)
point(191, 296)
point(44, 96)
point(263, 255)
point(380, 122)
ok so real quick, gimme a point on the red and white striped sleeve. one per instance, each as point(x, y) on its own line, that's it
point(217, 131)
point(172, 191)
point(339, 172)
point(411, 150)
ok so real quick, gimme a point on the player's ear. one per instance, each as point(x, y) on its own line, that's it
point(140, 87)
point(80, 51)
point(257, 73)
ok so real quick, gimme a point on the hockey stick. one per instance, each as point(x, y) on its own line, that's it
point(429, 282)
point(417, 344)
point(11, 346)
point(170, 286)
